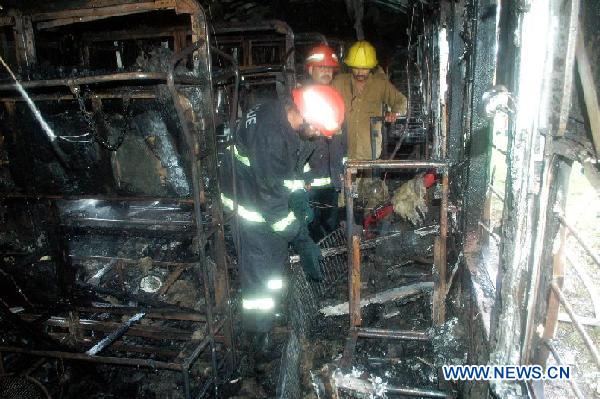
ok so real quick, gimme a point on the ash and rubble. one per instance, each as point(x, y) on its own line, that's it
point(379, 363)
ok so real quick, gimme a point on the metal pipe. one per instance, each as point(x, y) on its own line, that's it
point(233, 131)
point(133, 94)
point(588, 282)
point(197, 351)
point(243, 28)
point(108, 78)
point(234, 63)
point(442, 263)
point(186, 384)
point(153, 364)
point(115, 335)
point(120, 346)
point(584, 335)
point(128, 261)
point(561, 362)
point(59, 197)
point(153, 332)
point(397, 164)
point(364, 332)
point(219, 214)
point(577, 236)
point(196, 179)
point(355, 309)
point(350, 242)
point(152, 313)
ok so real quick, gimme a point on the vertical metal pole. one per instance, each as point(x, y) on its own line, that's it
point(561, 362)
point(557, 260)
point(355, 313)
point(350, 238)
point(186, 383)
point(440, 288)
point(215, 198)
point(223, 296)
point(191, 140)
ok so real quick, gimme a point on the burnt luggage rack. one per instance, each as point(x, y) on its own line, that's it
point(204, 333)
point(127, 343)
point(357, 330)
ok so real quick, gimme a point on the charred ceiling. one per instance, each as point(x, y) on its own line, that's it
point(385, 23)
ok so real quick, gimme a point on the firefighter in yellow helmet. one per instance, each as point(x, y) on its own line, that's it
point(364, 90)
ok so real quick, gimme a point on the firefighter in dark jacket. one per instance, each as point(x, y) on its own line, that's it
point(272, 145)
point(324, 169)
point(323, 175)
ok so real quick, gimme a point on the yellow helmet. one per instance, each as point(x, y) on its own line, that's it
point(361, 55)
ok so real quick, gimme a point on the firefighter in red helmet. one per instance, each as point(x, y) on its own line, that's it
point(326, 164)
point(273, 142)
point(321, 63)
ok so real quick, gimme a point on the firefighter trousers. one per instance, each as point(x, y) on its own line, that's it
point(262, 256)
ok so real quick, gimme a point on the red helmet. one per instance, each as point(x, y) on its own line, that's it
point(322, 55)
point(321, 106)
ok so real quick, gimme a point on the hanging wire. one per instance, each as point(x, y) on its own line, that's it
point(93, 126)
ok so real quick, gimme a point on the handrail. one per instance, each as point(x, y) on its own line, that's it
point(560, 362)
point(578, 237)
point(580, 329)
point(396, 164)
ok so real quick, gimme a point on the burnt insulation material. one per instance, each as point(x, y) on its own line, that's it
point(150, 153)
point(151, 127)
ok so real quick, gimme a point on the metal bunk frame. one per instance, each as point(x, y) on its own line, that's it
point(198, 127)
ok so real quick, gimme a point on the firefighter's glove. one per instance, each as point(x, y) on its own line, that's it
point(310, 254)
point(299, 204)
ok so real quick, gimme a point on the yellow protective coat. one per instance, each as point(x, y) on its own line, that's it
point(360, 108)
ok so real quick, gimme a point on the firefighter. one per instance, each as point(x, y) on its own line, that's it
point(324, 168)
point(321, 63)
point(365, 89)
point(272, 144)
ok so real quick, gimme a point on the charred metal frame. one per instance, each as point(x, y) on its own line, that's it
point(561, 362)
point(258, 74)
point(354, 256)
point(218, 330)
point(539, 169)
